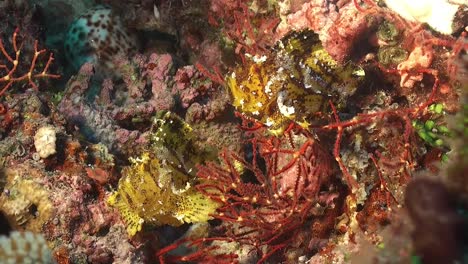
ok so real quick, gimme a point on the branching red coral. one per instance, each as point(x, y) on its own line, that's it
point(405, 114)
point(203, 253)
point(251, 31)
point(283, 192)
point(10, 64)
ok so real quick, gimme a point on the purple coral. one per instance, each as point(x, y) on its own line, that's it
point(149, 86)
point(203, 99)
point(95, 123)
point(156, 73)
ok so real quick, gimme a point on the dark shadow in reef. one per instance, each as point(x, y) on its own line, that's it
point(440, 224)
point(5, 227)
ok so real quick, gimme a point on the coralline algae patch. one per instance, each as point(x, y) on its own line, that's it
point(97, 36)
point(295, 83)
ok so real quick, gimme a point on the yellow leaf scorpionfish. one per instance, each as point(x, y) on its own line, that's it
point(294, 83)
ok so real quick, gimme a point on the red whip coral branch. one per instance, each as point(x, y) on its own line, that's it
point(284, 191)
point(202, 254)
point(250, 31)
point(406, 115)
point(11, 74)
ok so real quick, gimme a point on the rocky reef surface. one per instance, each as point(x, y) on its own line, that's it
point(227, 131)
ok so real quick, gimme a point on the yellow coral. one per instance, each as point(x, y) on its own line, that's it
point(142, 197)
point(27, 205)
point(294, 84)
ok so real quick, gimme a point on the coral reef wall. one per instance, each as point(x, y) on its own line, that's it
point(229, 131)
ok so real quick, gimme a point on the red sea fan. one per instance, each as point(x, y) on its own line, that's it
point(249, 24)
point(274, 194)
point(10, 66)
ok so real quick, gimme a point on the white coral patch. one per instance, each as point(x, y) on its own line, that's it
point(44, 141)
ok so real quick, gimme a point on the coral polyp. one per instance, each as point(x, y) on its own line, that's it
point(293, 84)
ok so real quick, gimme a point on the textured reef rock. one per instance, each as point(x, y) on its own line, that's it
point(95, 124)
point(296, 131)
point(22, 116)
point(63, 206)
point(149, 86)
point(202, 99)
point(56, 195)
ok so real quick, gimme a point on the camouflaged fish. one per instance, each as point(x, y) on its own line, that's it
point(158, 187)
point(294, 83)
